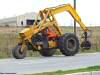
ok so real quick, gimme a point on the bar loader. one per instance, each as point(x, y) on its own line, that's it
point(46, 36)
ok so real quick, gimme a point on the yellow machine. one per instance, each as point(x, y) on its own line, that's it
point(46, 36)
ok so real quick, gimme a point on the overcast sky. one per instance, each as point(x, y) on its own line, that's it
point(89, 10)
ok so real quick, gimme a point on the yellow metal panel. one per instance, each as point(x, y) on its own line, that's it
point(52, 44)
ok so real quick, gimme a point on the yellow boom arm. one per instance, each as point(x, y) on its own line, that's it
point(44, 23)
point(71, 10)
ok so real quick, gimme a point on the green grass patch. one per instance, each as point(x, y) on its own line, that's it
point(60, 72)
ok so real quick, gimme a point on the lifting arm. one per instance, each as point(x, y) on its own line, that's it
point(71, 10)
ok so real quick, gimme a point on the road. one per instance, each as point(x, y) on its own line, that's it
point(45, 64)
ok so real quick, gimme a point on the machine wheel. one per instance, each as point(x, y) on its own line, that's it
point(16, 52)
point(70, 44)
point(86, 45)
point(47, 52)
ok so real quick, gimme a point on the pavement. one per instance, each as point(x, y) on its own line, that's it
point(46, 64)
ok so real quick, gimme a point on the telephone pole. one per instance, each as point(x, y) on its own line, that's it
point(74, 20)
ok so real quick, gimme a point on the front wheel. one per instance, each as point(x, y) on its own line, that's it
point(17, 53)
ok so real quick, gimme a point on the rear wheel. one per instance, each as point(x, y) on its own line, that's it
point(17, 53)
point(69, 44)
point(47, 52)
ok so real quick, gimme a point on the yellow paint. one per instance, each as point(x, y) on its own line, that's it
point(52, 44)
point(48, 21)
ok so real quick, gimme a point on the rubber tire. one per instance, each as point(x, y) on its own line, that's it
point(16, 53)
point(47, 52)
point(65, 50)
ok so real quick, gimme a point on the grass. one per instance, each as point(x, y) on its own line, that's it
point(8, 40)
point(60, 72)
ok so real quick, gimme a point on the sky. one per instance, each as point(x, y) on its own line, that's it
point(88, 10)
